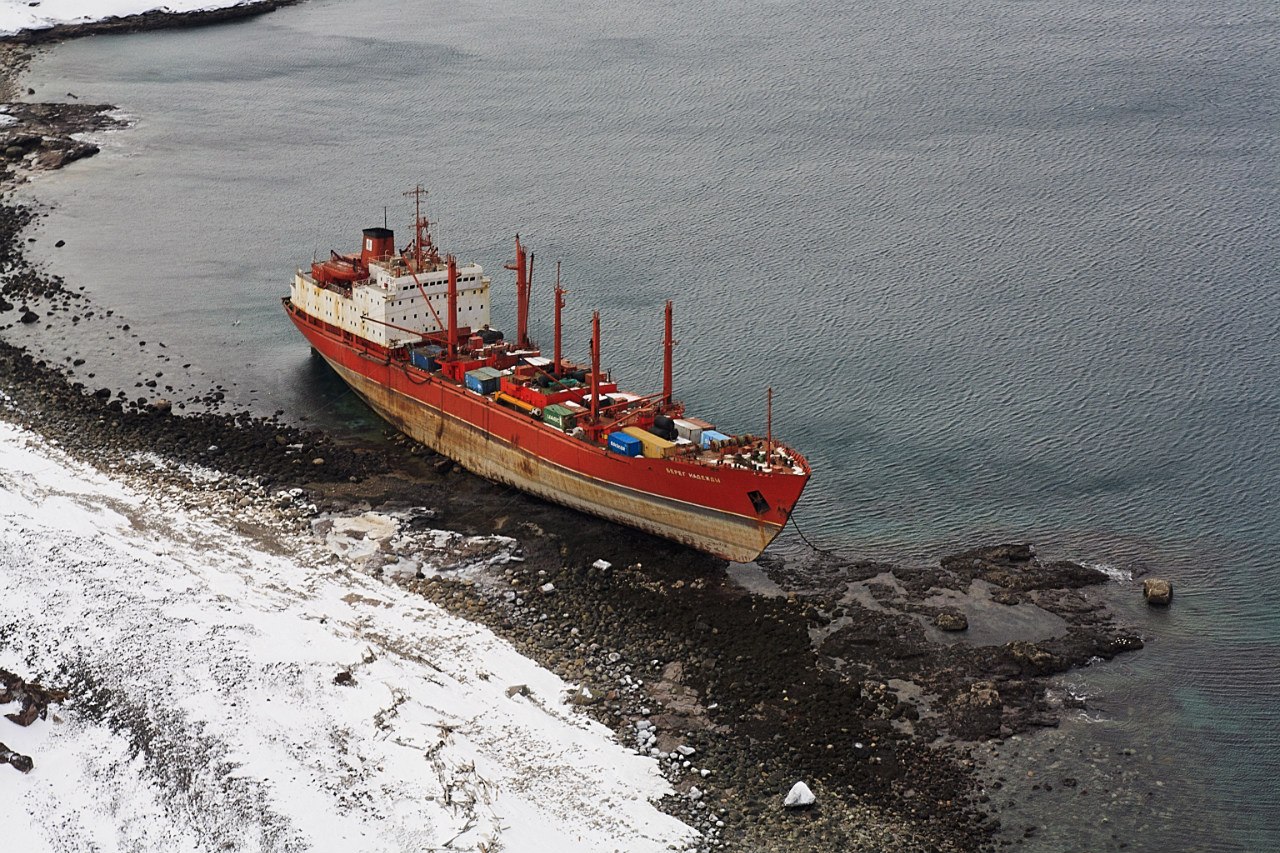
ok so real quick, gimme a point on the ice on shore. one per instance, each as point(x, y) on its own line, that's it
point(205, 713)
point(18, 15)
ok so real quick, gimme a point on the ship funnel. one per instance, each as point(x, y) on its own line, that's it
point(378, 243)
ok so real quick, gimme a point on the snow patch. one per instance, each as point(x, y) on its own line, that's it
point(18, 15)
point(205, 713)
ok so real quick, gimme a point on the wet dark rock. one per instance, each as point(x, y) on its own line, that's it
point(344, 679)
point(29, 317)
point(1015, 567)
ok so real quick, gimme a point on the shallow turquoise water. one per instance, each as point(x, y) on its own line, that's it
point(1011, 268)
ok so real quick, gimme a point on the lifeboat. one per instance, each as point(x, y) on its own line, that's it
point(339, 269)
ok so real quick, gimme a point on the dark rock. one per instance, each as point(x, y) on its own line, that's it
point(29, 316)
point(951, 620)
point(22, 763)
point(344, 679)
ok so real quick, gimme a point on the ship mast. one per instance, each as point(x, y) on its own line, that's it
point(560, 292)
point(668, 346)
point(423, 245)
point(453, 306)
point(524, 273)
point(595, 367)
point(768, 420)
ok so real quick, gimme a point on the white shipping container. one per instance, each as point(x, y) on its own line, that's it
point(689, 430)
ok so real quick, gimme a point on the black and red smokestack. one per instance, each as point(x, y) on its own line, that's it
point(378, 243)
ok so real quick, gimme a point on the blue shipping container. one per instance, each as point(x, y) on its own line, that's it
point(627, 445)
point(483, 380)
point(710, 435)
point(423, 360)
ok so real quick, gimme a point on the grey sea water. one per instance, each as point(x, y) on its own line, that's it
point(1010, 268)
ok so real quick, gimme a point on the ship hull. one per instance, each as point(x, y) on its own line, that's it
point(711, 512)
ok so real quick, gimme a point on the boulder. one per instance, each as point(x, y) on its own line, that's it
point(799, 797)
point(951, 620)
point(1157, 591)
point(19, 762)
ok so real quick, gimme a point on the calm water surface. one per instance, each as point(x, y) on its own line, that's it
point(1011, 268)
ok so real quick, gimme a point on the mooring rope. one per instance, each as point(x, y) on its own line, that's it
point(805, 539)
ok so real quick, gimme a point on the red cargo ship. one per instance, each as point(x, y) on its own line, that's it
point(409, 332)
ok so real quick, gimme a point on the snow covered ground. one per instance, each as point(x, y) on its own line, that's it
point(17, 15)
point(206, 716)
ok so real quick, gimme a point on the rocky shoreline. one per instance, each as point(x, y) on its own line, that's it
point(878, 685)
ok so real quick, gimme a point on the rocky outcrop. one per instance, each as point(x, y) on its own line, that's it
point(976, 713)
point(153, 20)
point(34, 699)
point(951, 620)
point(1016, 568)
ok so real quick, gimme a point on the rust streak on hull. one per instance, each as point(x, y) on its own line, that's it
point(737, 538)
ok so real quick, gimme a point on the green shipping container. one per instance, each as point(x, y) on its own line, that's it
point(559, 416)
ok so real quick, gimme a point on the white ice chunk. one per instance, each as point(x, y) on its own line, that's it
point(799, 795)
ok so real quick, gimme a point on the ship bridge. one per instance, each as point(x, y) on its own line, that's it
point(395, 305)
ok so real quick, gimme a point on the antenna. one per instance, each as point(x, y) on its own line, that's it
point(422, 229)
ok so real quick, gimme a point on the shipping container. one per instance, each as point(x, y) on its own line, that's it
point(688, 429)
point(710, 435)
point(424, 361)
point(483, 380)
point(699, 423)
point(626, 445)
point(559, 417)
point(654, 447)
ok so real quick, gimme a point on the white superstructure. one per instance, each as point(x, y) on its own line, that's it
point(391, 307)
